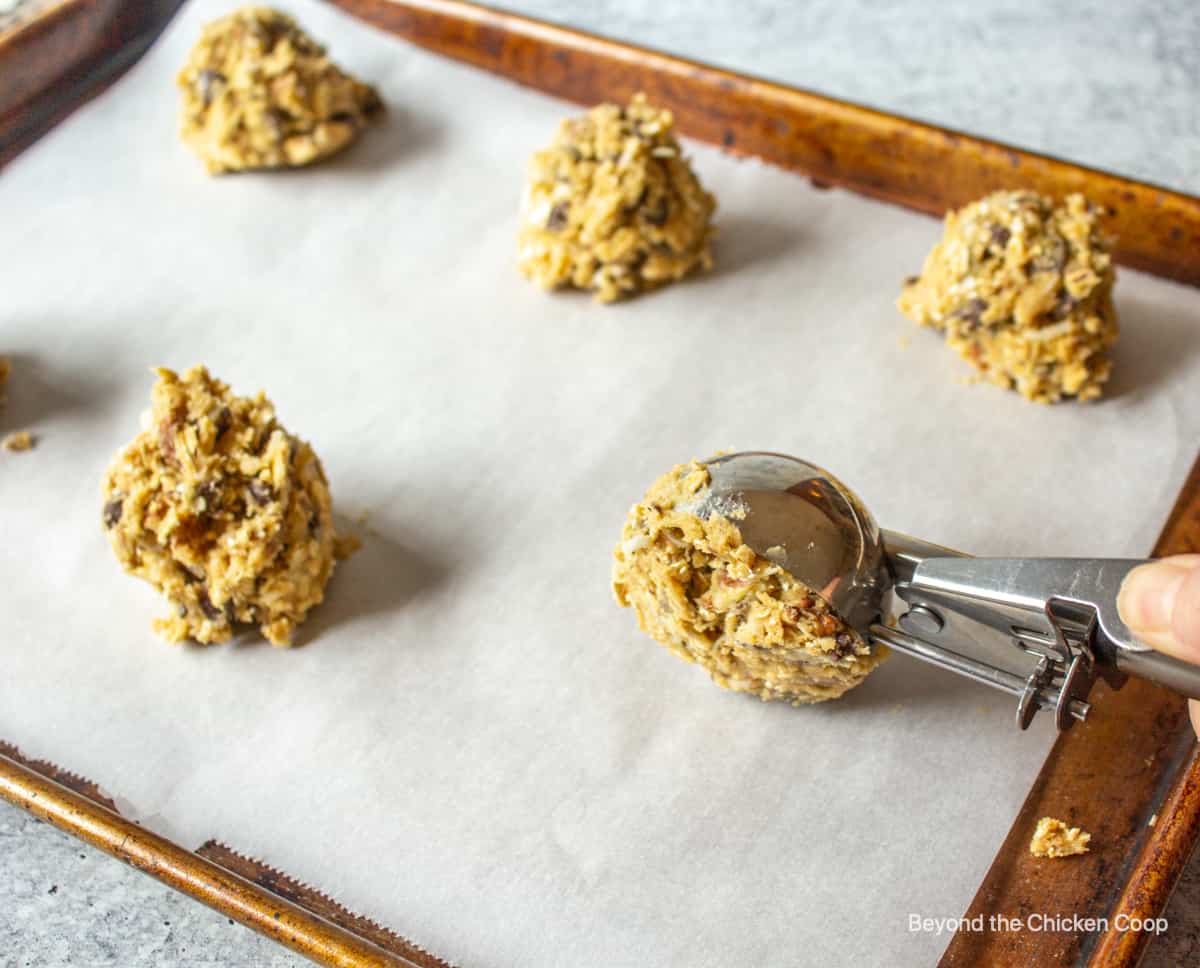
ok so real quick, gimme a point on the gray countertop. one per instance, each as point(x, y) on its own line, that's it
point(1113, 84)
point(1110, 83)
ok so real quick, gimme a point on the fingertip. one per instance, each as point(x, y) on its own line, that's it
point(1185, 617)
point(1160, 602)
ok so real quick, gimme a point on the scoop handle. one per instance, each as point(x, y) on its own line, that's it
point(1005, 589)
point(1127, 652)
point(1177, 675)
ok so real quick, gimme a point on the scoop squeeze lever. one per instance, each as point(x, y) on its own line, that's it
point(1041, 629)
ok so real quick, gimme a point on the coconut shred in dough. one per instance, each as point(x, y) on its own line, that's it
point(613, 206)
point(1023, 291)
point(222, 510)
point(258, 92)
point(701, 592)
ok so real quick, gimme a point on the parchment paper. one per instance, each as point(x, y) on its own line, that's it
point(474, 745)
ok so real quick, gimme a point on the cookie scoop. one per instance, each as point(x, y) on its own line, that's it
point(1042, 630)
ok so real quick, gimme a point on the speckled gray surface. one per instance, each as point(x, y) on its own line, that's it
point(64, 903)
point(1114, 84)
point(1111, 84)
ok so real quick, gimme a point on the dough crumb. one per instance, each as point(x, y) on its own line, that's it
point(1023, 291)
point(612, 206)
point(1053, 838)
point(704, 594)
point(21, 440)
point(258, 92)
point(346, 545)
point(222, 510)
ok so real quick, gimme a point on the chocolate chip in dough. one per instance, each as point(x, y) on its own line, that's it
point(112, 511)
point(557, 219)
point(211, 612)
point(261, 492)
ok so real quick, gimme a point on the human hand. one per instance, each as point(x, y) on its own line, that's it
point(1160, 602)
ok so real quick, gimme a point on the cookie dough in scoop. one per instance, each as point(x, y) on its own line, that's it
point(1022, 288)
point(258, 92)
point(701, 592)
point(221, 509)
point(612, 205)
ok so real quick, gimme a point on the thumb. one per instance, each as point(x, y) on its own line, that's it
point(1160, 602)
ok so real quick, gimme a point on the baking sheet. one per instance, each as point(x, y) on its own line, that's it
point(474, 745)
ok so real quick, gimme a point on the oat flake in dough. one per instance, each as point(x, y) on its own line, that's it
point(1023, 291)
point(222, 510)
point(705, 595)
point(258, 92)
point(612, 205)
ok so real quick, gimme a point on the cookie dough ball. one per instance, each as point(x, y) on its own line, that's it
point(701, 592)
point(222, 510)
point(613, 206)
point(1023, 291)
point(258, 92)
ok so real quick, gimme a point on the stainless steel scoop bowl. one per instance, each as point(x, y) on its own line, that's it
point(805, 520)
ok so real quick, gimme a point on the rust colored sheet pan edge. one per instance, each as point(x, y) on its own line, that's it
point(245, 890)
point(906, 162)
point(318, 903)
point(1170, 842)
point(66, 54)
point(1134, 761)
